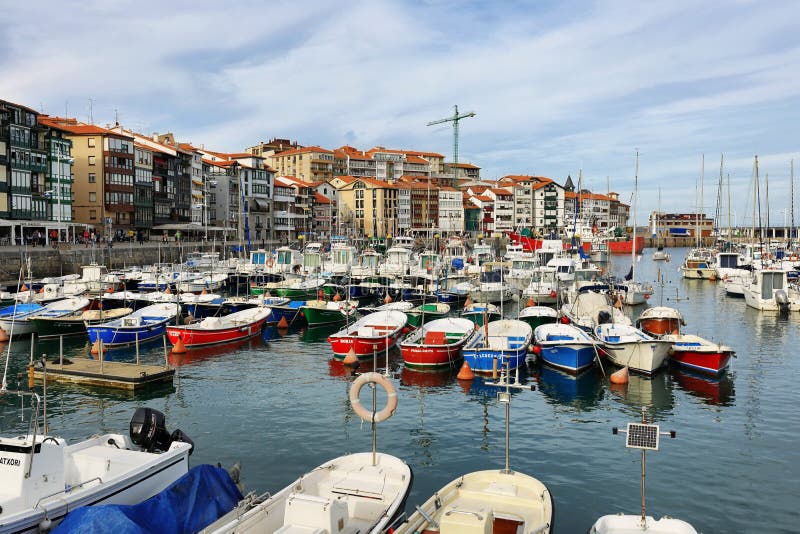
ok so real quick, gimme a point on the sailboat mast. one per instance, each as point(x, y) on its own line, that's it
point(699, 238)
point(635, 194)
point(755, 198)
point(791, 200)
point(730, 230)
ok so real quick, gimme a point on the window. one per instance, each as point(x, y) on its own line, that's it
point(92, 177)
point(92, 197)
point(91, 160)
point(91, 142)
point(92, 215)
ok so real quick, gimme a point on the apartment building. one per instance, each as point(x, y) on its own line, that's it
point(256, 180)
point(266, 149)
point(538, 203)
point(451, 210)
point(503, 208)
point(23, 163)
point(309, 164)
point(143, 188)
point(103, 169)
point(371, 204)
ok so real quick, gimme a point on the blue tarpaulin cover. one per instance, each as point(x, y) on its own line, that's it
point(191, 503)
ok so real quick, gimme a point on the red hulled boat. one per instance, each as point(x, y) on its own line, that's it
point(212, 330)
point(698, 354)
point(625, 246)
point(437, 344)
point(371, 334)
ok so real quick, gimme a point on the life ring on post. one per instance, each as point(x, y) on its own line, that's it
point(429, 265)
point(347, 308)
point(391, 397)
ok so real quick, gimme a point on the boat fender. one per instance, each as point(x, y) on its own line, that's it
point(391, 397)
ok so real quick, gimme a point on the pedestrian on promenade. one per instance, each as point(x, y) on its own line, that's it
point(86, 238)
point(178, 236)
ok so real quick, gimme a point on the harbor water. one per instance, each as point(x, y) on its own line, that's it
point(279, 405)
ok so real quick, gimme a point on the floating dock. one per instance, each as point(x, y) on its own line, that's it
point(118, 375)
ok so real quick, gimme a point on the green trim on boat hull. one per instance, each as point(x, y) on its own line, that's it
point(320, 317)
point(415, 319)
point(538, 321)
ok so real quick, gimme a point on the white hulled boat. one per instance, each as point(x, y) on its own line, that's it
point(627, 346)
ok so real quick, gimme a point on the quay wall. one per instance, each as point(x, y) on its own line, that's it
point(48, 261)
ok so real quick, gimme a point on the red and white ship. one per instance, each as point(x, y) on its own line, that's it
point(438, 343)
point(698, 354)
point(615, 246)
point(369, 335)
point(213, 330)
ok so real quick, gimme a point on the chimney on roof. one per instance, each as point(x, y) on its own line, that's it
point(155, 136)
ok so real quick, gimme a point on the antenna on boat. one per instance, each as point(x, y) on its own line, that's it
point(643, 436)
point(504, 397)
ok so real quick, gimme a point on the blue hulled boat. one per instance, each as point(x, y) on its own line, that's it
point(282, 307)
point(565, 346)
point(506, 340)
point(144, 324)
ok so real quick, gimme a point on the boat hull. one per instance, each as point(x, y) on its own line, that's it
point(538, 320)
point(52, 328)
point(572, 358)
point(658, 326)
point(479, 318)
point(199, 338)
point(415, 319)
point(707, 362)
point(364, 347)
point(320, 316)
point(639, 357)
point(482, 359)
point(116, 336)
point(626, 247)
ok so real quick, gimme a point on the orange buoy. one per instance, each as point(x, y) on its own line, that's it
point(96, 347)
point(168, 291)
point(531, 302)
point(188, 319)
point(23, 288)
point(109, 289)
point(712, 278)
point(179, 347)
point(468, 302)
point(3, 335)
point(387, 300)
point(351, 358)
point(465, 373)
point(619, 377)
point(337, 297)
point(204, 292)
point(283, 323)
point(41, 290)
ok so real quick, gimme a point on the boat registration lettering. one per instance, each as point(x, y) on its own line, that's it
point(10, 461)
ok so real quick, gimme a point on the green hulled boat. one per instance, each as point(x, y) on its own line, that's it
point(538, 315)
point(427, 312)
point(321, 312)
point(305, 290)
point(481, 312)
point(74, 324)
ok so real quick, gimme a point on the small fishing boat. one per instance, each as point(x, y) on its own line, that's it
point(660, 320)
point(44, 478)
point(565, 347)
point(376, 332)
point(282, 308)
point(212, 330)
point(437, 343)
point(770, 291)
point(356, 493)
point(481, 313)
point(322, 312)
point(504, 342)
point(660, 254)
point(427, 312)
point(13, 319)
point(399, 305)
point(303, 290)
point(642, 436)
point(590, 309)
point(627, 346)
point(48, 322)
point(75, 324)
point(538, 315)
point(699, 354)
point(208, 282)
point(144, 324)
point(492, 501)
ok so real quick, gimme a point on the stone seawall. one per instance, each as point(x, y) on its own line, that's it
point(47, 261)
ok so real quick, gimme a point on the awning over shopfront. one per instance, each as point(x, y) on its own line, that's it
point(261, 204)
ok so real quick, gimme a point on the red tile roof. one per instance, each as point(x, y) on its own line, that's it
point(320, 198)
point(305, 150)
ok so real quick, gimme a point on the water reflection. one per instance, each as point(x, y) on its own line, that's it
point(654, 393)
point(200, 354)
point(427, 379)
point(716, 391)
point(318, 333)
point(582, 392)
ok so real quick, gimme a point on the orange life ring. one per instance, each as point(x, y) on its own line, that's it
point(391, 397)
point(270, 262)
point(347, 308)
point(428, 265)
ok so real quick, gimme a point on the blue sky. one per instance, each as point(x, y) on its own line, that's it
point(556, 86)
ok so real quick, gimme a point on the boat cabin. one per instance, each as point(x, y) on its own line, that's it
point(482, 253)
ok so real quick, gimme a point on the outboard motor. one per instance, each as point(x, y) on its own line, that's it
point(148, 430)
point(782, 300)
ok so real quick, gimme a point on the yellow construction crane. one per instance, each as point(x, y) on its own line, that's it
point(454, 119)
